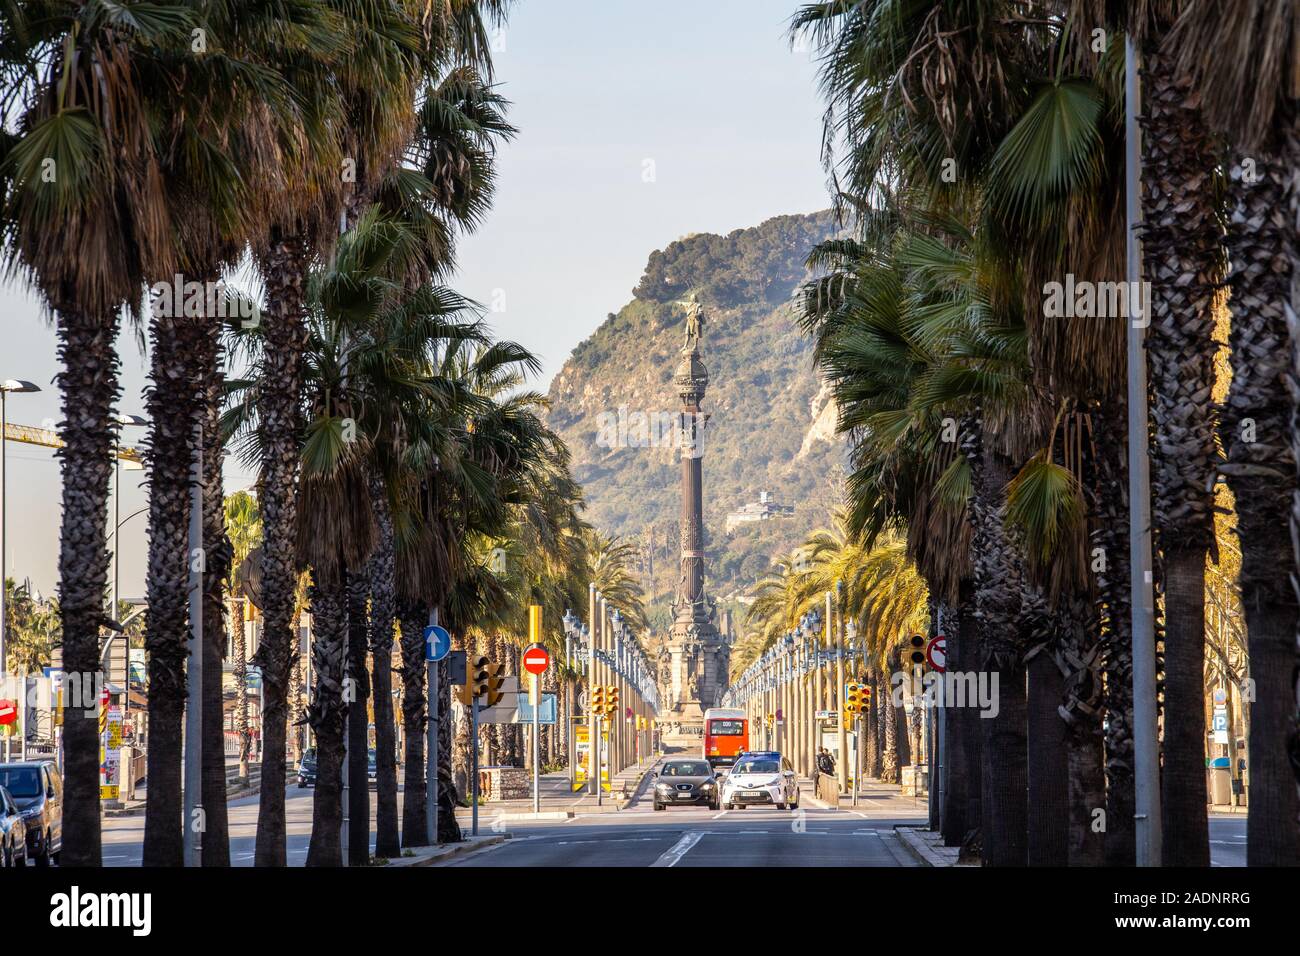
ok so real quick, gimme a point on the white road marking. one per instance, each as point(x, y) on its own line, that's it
point(719, 815)
point(679, 849)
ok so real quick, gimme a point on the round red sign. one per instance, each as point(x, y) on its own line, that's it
point(8, 711)
point(536, 659)
point(936, 652)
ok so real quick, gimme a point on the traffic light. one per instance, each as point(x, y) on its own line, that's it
point(612, 695)
point(866, 698)
point(915, 652)
point(478, 677)
point(853, 699)
point(496, 676)
point(474, 681)
point(598, 700)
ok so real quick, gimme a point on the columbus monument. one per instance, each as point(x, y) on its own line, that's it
point(696, 654)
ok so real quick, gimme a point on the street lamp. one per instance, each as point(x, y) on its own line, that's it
point(10, 385)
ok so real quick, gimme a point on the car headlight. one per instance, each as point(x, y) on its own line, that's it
point(664, 787)
point(29, 813)
point(706, 786)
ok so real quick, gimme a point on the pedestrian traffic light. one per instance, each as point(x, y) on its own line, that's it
point(496, 676)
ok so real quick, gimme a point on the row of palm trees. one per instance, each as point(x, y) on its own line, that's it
point(878, 601)
point(339, 147)
point(978, 149)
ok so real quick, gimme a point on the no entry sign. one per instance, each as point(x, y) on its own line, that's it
point(536, 659)
point(8, 711)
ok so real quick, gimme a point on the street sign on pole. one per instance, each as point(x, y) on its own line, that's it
point(936, 653)
point(536, 659)
point(437, 643)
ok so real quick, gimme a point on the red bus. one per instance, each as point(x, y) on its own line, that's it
point(726, 735)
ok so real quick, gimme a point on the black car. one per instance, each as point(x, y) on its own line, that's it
point(37, 790)
point(685, 783)
point(307, 768)
point(13, 832)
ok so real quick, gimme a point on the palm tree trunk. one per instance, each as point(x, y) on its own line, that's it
point(1078, 656)
point(448, 793)
point(1183, 260)
point(218, 558)
point(1260, 471)
point(413, 617)
point(358, 725)
point(89, 387)
point(997, 573)
point(888, 716)
point(284, 272)
point(171, 403)
point(383, 610)
point(240, 642)
point(1049, 808)
point(294, 709)
point(963, 812)
point(327, 711)
point(1111, 570)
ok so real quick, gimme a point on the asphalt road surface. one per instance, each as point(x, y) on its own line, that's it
point(691, 837)
point(638, 836)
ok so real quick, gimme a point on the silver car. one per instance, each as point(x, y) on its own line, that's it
point(761, 779)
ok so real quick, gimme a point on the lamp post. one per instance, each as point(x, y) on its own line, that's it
point(122, 421)
point(17, 386)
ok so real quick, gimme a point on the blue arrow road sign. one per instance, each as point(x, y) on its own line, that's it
point(437, 643)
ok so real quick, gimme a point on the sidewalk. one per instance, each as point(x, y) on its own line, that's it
point(927, 846)
point(873, 797)
point(558, 801)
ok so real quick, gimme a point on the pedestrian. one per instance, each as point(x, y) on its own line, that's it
point(826, 763)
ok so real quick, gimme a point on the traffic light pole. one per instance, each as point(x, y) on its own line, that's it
point(473, 778)
point(596, 761)
point(857, 760)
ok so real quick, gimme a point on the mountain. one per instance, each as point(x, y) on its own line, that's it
point(771, 428)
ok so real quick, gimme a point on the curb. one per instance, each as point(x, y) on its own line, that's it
point(541, 815)
point(924, 855)
point(460, 849)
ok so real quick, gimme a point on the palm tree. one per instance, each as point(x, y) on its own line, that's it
point(85, 220)
point(1248, 94)
point(244, 528)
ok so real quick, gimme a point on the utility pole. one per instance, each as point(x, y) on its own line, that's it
point(593, 721)
point(1146, 743)
point(838, 696)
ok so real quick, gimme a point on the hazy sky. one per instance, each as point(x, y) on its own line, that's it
point(639, 123)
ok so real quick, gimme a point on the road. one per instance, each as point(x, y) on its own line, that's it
point(690, 837)
point(638, 836)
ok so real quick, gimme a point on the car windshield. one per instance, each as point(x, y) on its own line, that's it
point(756, 766)
point(684, 769)
point(371, 757)
point(309, 758)
point(21, 781)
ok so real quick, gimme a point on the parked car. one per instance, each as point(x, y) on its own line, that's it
point(372, 770)
point(307, 768)
point(685, 783)
point(37, 790)
point(13, 832)
point(761, 778)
